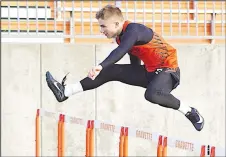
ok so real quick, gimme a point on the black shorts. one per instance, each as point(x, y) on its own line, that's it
point(174, 73)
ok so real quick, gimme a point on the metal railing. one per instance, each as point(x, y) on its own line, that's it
point(75, 19)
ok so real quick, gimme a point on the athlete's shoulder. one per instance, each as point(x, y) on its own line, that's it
point(139, 31)
point(137, 26)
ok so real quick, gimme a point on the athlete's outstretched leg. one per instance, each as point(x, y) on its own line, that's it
point(126, 73)
point(158, 92)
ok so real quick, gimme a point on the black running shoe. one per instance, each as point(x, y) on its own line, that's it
point(196, 119)
point(56, 87)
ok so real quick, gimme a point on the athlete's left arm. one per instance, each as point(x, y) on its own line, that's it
point(134, 60)
point(129, 39)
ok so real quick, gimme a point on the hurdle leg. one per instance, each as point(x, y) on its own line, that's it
point(212, 152)
point(164, 151)
point(88, 139)
point(159, 147)
point(60, 148)
point(91, 139)
point(125, 144)
point(121, 142)
point(37, 134)
point(203, 153)
point(62, 137)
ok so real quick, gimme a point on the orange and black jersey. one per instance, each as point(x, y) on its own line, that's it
point(142, 43)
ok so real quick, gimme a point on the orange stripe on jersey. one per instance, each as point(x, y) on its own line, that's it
point(155, 54)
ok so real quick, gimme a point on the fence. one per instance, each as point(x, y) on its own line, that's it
point(162, 142)
point(70, 20)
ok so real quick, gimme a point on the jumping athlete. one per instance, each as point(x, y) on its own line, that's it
point(159, 74)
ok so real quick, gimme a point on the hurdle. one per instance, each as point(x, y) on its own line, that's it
point(162, 142)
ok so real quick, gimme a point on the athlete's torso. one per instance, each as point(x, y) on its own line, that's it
point(151, 48)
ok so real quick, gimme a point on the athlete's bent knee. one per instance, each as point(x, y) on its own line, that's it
point(161, 98)
point(153, 95)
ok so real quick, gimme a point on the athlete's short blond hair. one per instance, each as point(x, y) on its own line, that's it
point(109, 11)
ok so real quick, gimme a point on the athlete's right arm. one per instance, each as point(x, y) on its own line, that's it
point(135, 34)
point(129, 39)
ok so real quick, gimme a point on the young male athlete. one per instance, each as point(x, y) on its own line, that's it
point(160, 73)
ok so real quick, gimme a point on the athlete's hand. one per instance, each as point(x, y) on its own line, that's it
point(94, 72)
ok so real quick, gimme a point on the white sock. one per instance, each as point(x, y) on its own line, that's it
point(184, 108)
point(71, 89)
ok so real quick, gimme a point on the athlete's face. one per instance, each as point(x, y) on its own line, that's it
point(109, 27)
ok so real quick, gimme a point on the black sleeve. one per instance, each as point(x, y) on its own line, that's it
point(129, 39)
point(135, 34)
point(134, 60)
